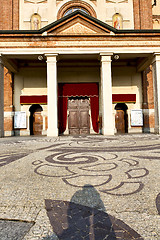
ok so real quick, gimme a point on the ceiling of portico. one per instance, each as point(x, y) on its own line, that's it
point(37, 60)
point(78, 56)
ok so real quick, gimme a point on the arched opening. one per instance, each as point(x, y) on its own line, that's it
point(36, 119)
point(72, 6)
point(121, 118)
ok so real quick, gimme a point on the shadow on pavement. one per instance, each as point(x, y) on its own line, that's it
point(84, 217)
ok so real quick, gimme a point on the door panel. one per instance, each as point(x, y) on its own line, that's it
point(120, 121)
point(37, 123)
point(78, 119)
point(73, 119)
point(83, 119)
point(73, 103)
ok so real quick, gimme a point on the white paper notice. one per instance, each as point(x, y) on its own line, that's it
point(20, 120)
point(137, 118)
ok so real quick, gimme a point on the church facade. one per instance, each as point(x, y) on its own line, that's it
point(79, 67)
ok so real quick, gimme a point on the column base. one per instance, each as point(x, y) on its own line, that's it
point(52, 132)
point(156, 130)
point(1, 133)
point(107, 132)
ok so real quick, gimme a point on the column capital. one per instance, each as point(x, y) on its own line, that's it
point(156, 57)
point(106, 57)
point(51, 57)
point(51, 54)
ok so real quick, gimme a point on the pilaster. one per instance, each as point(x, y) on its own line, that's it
point(1, 98)
point(156, 84)
point(142, 14)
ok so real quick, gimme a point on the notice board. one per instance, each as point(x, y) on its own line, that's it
point(20, 120)
point(137, 118)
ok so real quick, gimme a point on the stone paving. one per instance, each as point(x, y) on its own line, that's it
point(91, 187)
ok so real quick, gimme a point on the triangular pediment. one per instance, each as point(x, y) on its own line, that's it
point(78, 28)
point(78, 23)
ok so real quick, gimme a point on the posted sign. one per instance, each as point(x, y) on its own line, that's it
point(20, 120)
point(136, 118)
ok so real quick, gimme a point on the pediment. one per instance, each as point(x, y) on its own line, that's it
point(78, 24)
point(78, 28)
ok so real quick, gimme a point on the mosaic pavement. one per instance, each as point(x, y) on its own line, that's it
point(90, 187)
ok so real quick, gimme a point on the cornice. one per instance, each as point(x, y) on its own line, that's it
point(116, 32)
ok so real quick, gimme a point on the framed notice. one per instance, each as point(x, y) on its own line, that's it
point(136, 118)
point(20, 120)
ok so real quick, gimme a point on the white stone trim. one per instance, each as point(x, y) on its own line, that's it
point(148, 111)
point(135, 130)
point(24, 133)
point(65, 50)
point(8, 133)
point(44, 132)
point(8, 114)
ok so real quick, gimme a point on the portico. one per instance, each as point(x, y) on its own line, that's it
point(106, 94)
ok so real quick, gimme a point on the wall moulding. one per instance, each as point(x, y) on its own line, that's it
point(35, 1)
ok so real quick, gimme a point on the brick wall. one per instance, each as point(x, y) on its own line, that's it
point(8, 100)
point(9, 20)
point(142, 14)
point(148, 98)
point(15, 14)
point(9, 17)
point(8, 97)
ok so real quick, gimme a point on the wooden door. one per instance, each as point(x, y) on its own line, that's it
point(84, 118)
point(78, 119)
point(37, 123)
point(73, 118)
point(120, 121)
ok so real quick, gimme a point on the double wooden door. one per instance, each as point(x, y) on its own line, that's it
point(78, 118)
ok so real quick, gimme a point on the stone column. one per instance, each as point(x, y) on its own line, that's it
point(156, 86)
point(106, 95)
point(52, 95)
point(1, 98)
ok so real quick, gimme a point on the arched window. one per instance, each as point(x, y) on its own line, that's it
point(35, 21)
point(72, 9)
point(117, 21)
point(72, 6)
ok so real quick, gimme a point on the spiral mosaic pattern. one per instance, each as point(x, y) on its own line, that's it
point(73, 163)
